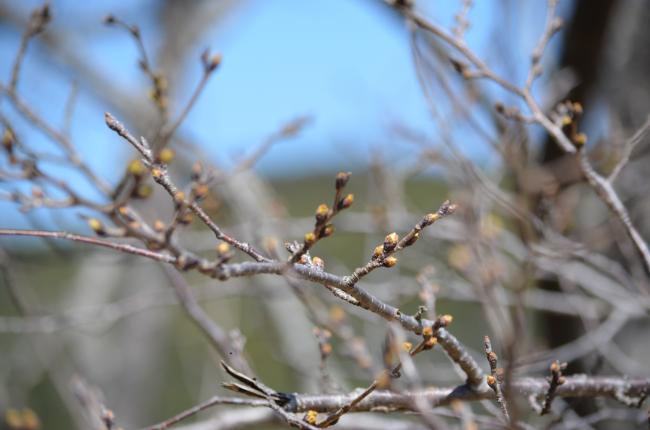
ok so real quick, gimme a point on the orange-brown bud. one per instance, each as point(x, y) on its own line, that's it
point(427, 331)
point(445, 320)
point(390, 261)
point(491, 380)
point(159, 226)
point(346, 202)
point(200, 191)
point(431, 342)
point(327, 231)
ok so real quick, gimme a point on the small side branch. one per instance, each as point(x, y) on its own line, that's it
point(494, 379)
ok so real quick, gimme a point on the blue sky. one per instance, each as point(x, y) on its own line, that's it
point(345, 63)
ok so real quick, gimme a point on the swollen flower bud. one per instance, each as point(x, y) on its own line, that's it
point(327, 231)
point(321, 213)
point(431, 342)
point(179, 198)
point(491, 380)
point(310, 238)
point(166, 155)
point(445, 320)
point(390, 242)
point(186, 217)
point(136, 168)
point(378, 252)
point(223, 248)
point(390, 261)
point(346, 202)
point(427, 331)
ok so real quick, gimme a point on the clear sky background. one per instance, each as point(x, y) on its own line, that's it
point(345, 63)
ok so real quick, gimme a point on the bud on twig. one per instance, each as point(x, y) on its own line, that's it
point(390, 242)
point(390, 261)
point(342, 179)
point(346, 202)
point(322, 211)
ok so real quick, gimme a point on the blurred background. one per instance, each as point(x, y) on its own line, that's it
point(378, 99)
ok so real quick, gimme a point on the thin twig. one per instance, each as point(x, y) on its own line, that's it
point(494, 382)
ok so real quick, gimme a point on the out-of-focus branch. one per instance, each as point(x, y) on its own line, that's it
point(601, 185)
point(217, 336)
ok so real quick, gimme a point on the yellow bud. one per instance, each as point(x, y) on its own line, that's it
point(565, 120)
point(580, 139)
point(427, 331)
point(97, 226)
point(166, 155)
point(136, 168)
point(179, 198)
point(390, 261)
point(407, 346)
point(321, 212)
point(159, 226)
point(310, 417)
point(491, 380)
point(310, 238)
point(445, 320)
point(123, 210)
point(223, 248)
point(431, 342)
point(378, 252)
point(186, 218)
point(577, 108)
point(318, 262)
point(143, 191)
point(156, 173)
